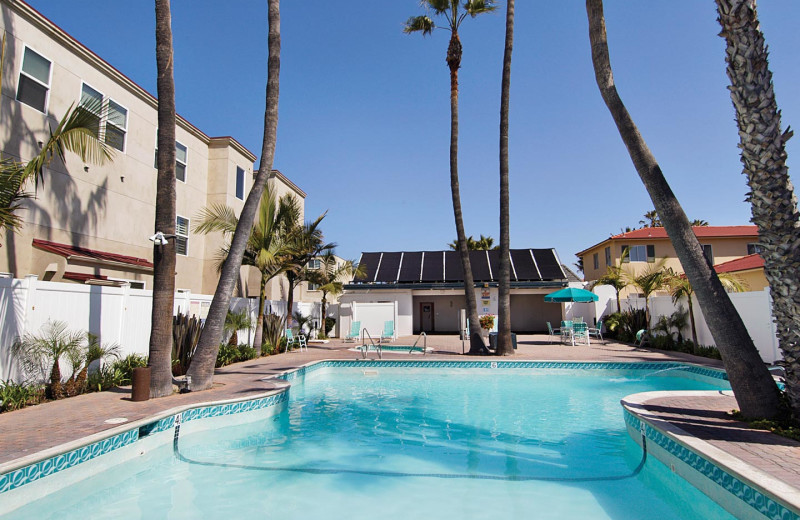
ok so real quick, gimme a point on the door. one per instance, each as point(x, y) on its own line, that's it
point(426, 317)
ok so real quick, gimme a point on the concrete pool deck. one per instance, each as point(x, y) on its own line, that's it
point(23, 433)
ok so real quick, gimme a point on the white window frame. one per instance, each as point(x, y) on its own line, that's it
point(103, 115)
point(49, 79)
point(236, 186)
point(185, 164)
point(179, 235)
point(637, 247)
point(313, 286)
point(314, 263)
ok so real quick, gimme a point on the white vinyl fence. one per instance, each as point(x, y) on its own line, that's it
point(116, 314)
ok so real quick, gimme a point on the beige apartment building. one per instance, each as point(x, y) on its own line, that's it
point(721, 244)
point(89, 223)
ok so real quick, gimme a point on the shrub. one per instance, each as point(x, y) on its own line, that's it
point(14, 396)
point(273, 330)
point(227, 354)
point(329, 324)
point(246, 352)
point(123, 368)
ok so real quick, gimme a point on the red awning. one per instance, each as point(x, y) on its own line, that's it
point(82, 253)
point(83, 277)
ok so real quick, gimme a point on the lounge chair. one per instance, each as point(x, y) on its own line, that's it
point(580, 331)
point(553, 332)
point(295, 341)
point(641, 338)
point(597, 332)
point(388, 331)
point(355, 331)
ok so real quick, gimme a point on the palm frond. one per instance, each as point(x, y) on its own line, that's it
point(12, 180)
point(476, 7)
point(217, 217)
point(422, 24)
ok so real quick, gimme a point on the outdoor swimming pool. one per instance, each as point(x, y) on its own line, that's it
point(383, 442)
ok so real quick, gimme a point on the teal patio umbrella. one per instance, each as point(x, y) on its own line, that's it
point(571, 294)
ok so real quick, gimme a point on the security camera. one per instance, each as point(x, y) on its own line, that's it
point(160, 239)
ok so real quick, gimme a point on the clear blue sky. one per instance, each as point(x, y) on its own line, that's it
point(364, 111)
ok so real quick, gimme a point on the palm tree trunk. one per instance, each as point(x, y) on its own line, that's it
point(504, 345)
point(56, 388)
point(619, 305)
point(291, 277)
point(772, 198)
point(691, 320)
point(476, 345)
point(324, 305)
point(160, 353)
point(202, 368)
point(258, 340)
point(755, 391)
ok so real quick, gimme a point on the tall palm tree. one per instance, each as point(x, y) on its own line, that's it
point(205, 356)
point(504, 346)
point(330, 277)
point(160, 346)
point(452, 12)
point(752, 384)
point(268, 248)
point(772, 199)
point(680, 287)
point(615, 277)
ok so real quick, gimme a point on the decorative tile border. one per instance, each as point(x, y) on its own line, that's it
point(33, 472)
point(750, 496)
point(41, 469)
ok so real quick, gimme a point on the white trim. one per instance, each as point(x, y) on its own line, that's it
point(48, 86)
point(186, 236)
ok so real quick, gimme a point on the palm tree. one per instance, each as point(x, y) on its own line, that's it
point(330, 277)
point(236, 321)
point(504, 345)
point(268, 247)
point(160, 346)
point(680, 287)
point(699, 223)
point(307, 243)
point(451, 10)
point(39, 352)
point(652, 279)
point(772, 199)
point(651, 219)
point(205, 356)
point(615, 277)
point(752, 384)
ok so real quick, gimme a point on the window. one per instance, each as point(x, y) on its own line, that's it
point(608, 255)
point(182, 236)
point(110, 118)
point(181, 154)
point(313, 286)
point(180, 162)
point(239, 183)
point(753, 249)
point(709, 253)
point(34, 80)
point(641, 253)
point(596, 260)
point(314, 264)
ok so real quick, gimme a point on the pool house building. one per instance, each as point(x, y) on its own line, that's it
point(423, 291)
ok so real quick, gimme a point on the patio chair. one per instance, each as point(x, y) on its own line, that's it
point(641, 338)
point(388, 330)
point(566, 331)
point(295, 341)
point(355, 331)
point(580, 331)
point(597, 332)
point(553, 332)
point(577, 319)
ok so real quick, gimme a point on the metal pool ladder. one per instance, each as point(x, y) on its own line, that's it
point(365, 348)
point(424, 338)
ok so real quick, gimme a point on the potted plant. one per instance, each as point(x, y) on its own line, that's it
point(487, 322)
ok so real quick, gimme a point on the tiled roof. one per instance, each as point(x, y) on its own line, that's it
point(69, 251)
point(700, 231)
point(744, 263)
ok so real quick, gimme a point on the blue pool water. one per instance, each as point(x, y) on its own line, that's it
point(390, 443)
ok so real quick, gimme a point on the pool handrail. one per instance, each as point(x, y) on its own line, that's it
point(365, 348)
point(424, 344)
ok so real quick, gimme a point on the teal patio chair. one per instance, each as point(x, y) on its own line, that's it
point(553, 332)
point(355, 331)
point(388, 331)
point(597, 332)
point(293, 340)
point(580, 331)
point(566, 331)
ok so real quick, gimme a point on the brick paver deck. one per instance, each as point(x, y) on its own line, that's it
point(28, 431)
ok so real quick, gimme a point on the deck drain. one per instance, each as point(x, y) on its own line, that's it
point(116, 420)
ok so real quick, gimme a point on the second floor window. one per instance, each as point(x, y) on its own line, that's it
point(314, 264)
point(608, 256)
point(182, 235)
point(110, 119)
point(181, 157)
point(753, 249)
point(596, 260)
point(640, 253)
point(313, 286)
point(34, 80)
point(709, 253)
point(239, 183)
